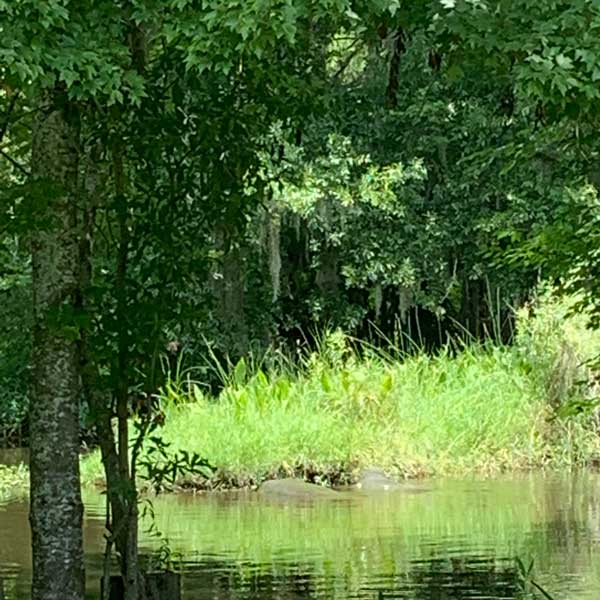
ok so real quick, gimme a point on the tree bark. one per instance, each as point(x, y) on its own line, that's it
point(126, 503)
point(399, 48)
point(56, 510)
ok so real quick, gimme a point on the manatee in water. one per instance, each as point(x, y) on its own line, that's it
point(297, 489)
point(374, 479)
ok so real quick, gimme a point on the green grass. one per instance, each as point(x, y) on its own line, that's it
point(478, 411)
point(91, 469)
point(484, 409)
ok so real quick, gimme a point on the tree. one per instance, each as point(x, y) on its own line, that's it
point(56, 508)
point(548, 53)
point(59, 58)
point(75, 61)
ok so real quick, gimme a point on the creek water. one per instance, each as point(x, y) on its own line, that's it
point(457, 541)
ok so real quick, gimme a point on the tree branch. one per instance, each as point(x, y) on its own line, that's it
point(14, 163)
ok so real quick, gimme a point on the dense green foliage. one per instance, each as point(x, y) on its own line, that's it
point(369, 177)
point(234, 176)
point(14, 337)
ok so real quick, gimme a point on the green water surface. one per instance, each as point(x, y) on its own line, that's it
point(457, 541)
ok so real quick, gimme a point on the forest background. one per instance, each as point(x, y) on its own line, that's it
point(184, 181)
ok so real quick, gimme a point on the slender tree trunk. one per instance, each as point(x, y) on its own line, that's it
point(127, 539)
point(56, 509)
point(122, 513)
point(98, 399)
point(399, 48)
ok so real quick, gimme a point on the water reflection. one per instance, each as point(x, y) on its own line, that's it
point(459, 541)
point(464, 577)
point(468, 577)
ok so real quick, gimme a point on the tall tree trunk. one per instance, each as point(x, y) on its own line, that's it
point(56, 511)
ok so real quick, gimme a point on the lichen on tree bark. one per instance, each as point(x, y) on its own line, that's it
point(56, 510)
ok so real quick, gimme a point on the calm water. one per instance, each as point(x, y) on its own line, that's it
point(457, 541)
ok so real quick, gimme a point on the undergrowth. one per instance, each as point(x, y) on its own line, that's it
point(473, 408)
point(477, 408)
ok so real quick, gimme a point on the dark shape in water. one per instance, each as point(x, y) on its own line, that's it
point(372, 480)
point(159, 586)
point(297, 489)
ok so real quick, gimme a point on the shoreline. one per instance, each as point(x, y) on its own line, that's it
point(14, 479)
point(485, 410)
point(224, 484)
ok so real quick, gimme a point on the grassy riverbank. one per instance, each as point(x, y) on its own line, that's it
point(475, 409)
point(481, 409)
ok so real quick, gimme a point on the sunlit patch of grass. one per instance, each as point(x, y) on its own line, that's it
point(482, 408)
point(423, 415)
point(91, 469)
point(14, 482)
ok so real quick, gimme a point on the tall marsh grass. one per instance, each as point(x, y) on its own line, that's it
point(482, 408)
point(470, 408)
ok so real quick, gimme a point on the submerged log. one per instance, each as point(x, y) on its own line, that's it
point(158, 586)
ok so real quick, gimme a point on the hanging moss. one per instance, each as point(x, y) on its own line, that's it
point(405, 302)
point(274, 251)
point(377, 300)
point(228, 285)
